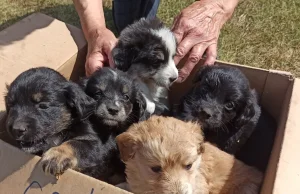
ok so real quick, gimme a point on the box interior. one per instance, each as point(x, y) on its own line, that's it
point(259, 78)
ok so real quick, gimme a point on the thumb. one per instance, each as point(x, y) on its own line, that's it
point(107, 49)
point(93, 63)
point(110, 58)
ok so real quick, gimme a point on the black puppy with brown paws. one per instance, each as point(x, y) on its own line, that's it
point(119, 104)
point(47, 115)
point(228, 109)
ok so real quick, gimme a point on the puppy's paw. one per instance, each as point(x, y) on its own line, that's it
point(58, 159)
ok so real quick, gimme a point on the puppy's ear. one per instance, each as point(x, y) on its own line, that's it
point(127, 145)
point(197, 130)
point(79, 101)
point(201, 148)
point(249, 110)
point(201, 72)
point(121, 57)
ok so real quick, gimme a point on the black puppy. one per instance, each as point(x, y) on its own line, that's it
point(228, 110)
point(119, 104)
point(47, 115)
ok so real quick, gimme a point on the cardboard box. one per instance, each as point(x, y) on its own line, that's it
point(39, 40)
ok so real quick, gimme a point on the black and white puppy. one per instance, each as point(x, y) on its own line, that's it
point(146, 50)
point(119, 104)
point(47, 115)
point(222, 101)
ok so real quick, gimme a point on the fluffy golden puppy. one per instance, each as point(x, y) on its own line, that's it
point(164, 155)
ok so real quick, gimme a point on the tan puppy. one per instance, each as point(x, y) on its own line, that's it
point(166, 155)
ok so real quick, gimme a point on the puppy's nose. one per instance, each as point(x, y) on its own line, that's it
point(113, 110)
point(172, 79)
point(205, 113)
point(19, 129)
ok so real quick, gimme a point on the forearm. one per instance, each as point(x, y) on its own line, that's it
point(91, 16)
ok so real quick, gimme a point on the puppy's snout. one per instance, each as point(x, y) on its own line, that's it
point(184, 188)
point(18, 129)
point(113, 110)
point(205, 113)
point(172, 79)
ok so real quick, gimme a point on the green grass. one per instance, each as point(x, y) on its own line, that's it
point(261, 33)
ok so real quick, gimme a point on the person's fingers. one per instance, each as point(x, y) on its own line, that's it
point(109, 55)
point(183, 48)
point(194, 58)
point(211, 54)
point(93, 63)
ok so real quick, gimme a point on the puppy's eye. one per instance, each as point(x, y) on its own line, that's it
point(156, 169)
point(43, 106)
point(188, 167)
point(229, 106)
point(126, 97)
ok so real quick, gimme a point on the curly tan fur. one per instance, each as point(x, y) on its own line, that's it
point(172, 145)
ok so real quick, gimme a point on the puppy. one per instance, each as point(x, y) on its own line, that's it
point(119, 104)
point(222, 101)
point(46, 115)
point(145, 50)
point(166, 155)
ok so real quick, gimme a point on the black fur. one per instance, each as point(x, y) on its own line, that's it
point(114, 89)
point(222, 101)
point(45, 111)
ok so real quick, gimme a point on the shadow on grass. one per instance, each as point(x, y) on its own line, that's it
point(65, 13)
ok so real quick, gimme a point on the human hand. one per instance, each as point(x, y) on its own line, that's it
point(197, 29)
point(100, 45)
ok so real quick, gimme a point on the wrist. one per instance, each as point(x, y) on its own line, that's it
point(95, 32)
point(228, 7)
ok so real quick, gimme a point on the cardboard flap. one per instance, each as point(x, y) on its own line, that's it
point(24, 175)
point(288, 169)
point(37, 40)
